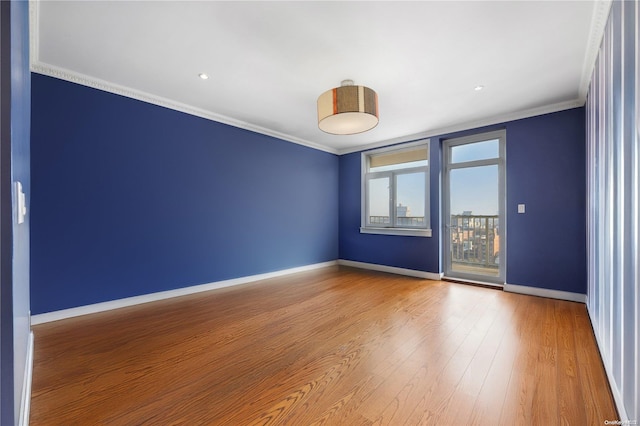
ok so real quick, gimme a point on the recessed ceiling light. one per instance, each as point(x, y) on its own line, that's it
point(478, 88)
point(203, 76)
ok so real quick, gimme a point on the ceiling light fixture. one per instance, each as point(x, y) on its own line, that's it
point(478, 88)
point(203, 76)
point(348, 109)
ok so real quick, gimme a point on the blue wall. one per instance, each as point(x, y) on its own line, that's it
point(545, 170)
point(130, 198)
point(14, 282)
point(546, 246)
point(418, 253)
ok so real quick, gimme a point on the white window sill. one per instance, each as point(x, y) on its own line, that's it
point(397, 231)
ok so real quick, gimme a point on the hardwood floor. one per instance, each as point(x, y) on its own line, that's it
point(337, 346)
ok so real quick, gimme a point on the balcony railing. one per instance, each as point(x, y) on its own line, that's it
point(475, 240)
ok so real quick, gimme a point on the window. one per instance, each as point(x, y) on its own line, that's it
point(395, 190)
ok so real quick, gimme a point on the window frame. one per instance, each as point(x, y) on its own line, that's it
point(368, 228)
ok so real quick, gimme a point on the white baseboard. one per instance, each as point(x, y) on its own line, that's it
point(545, 292)
point(617, 396)
point(152, 297)
point(391, 269)
point(25, 400)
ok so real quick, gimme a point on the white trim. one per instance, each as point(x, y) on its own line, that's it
point(85, 80)
point(596, 31)
point(25, 401)
point(470, 125)
point(617, 396)
point(391, 269)
point(598, 21)
point(153, 297)
point(396, 231)
point(545, 292)
point(34, 26)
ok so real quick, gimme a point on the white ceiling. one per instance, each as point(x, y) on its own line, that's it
point(269, 61)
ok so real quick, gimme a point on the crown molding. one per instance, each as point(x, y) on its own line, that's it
point(599, 18)
point(503, 118)
point(598, 23)
point(64, 74)
point(34, 26)
point(106, 86)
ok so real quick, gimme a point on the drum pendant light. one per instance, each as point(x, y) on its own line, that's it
point(348, 109)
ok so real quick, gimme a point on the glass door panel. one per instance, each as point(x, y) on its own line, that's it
point(474, 220)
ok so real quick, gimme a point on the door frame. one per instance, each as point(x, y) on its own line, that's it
point(447, 144)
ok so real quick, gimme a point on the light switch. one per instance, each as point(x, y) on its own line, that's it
point(520, 208)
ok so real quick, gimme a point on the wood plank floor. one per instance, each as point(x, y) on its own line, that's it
point(336, 346)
